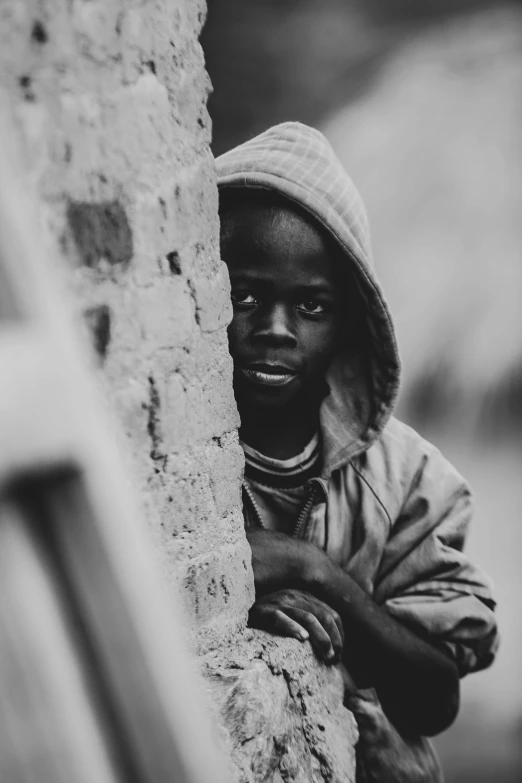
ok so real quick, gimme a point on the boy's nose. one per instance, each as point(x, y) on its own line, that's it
point(276, 326)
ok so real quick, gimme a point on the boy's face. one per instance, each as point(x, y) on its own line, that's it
point(284, 330)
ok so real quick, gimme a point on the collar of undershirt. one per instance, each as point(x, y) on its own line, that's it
point(282, 473)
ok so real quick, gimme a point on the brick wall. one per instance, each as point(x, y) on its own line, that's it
point(109, 99)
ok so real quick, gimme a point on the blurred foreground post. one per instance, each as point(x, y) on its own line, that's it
point(95, 685)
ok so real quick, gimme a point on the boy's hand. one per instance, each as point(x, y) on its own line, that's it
point(301, 615)
point(279, 561)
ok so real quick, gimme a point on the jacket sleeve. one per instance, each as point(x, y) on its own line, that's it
point(425, 581)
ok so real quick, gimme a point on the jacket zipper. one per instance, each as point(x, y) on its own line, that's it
point(301, 519)
point(255, 508)
point(305, 511)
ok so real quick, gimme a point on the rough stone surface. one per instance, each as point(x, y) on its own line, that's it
point(109, 101)
point(283, 713)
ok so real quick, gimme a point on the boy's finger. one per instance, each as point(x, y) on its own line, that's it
point(332, 629)
point(319, 637)
point(268, 618)
point(332, 624)
point(286, 626)
point(339, 624)
point(326, 616)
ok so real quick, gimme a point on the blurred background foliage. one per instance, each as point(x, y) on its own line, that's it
point(422, 101)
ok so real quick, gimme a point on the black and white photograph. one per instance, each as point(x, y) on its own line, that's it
point(260, 391)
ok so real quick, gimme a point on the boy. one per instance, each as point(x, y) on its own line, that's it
point(356, 524)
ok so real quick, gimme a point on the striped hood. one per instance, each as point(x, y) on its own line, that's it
point(299, 163)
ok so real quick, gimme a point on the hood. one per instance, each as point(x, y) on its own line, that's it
point(299, 163)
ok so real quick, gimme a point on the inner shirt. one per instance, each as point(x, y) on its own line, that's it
point(278, 485)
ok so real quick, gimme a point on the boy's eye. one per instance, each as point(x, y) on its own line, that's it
point(313, 307)
point(243, 298)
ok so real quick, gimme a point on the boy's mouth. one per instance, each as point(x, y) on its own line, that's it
point(268, 374)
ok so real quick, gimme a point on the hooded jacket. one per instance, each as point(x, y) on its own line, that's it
point(389, 509)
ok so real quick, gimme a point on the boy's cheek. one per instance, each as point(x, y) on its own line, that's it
point(238, 335)
point(235, 335)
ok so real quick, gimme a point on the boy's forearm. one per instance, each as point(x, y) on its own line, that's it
point(417, 683)
point(279, 561)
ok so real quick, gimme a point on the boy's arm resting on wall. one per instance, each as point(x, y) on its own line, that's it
point(284, 567)
point(417, 683)
point(431, 617)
